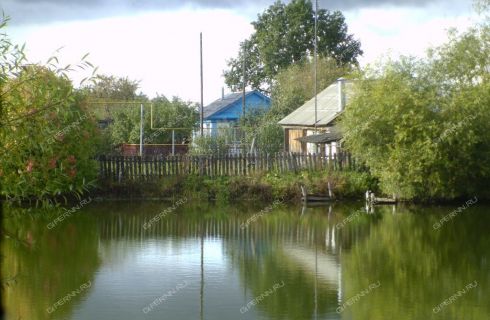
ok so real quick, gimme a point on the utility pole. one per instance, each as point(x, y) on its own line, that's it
point(315, 63)
point(141, 130)
point(243, 83)
point(202, 95)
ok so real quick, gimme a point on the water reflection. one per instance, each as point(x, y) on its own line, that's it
point(225, 267)
point(46, 266)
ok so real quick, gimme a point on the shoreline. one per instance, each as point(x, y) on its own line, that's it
point(264, 188)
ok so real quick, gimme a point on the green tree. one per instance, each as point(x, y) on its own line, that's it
point(173, 114)
point(117, 99)
point(481, 5)
point(262, 129)
point(47, 136)
point(166, 115)
point(295, 85)
point(12, 57)
point(284, 35)
point(421, 126)
point(108, 95)
point(46, 132)
point(114, 88)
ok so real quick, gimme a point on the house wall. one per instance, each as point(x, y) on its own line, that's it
point(208, 128)
point(215, 127)
point(293, 144)
point(311, 147)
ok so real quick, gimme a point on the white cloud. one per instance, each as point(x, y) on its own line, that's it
point(160, 49)
point(395, 31)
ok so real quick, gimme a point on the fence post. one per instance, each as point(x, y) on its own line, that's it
point(120, 176)
point(101, 168)
point(200, 165)
point(295, 165)
point(154, 171)
point(278, 161)
point(284, 162)
point(140, 174)
point(114, 168)
point(244, 163)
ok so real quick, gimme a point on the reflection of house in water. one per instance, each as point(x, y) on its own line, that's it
point(322, 262)
point(324, 265)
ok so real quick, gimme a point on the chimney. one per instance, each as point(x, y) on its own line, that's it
point(341, 93)
point(222, 93)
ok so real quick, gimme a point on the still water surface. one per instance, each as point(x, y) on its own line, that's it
point(206, 262)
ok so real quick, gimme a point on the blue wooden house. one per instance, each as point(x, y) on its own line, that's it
point(225, 112)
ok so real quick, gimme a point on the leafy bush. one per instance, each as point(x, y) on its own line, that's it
point(210, 145)
point(46, 133)
point(47, 136)
point(421, 126)
point(261, 126)
point(166, 114)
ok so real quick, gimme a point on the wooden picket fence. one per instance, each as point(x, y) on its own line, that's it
point(119, 168)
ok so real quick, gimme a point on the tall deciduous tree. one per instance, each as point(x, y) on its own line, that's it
point(295, 84)
point(166, 115)
point(114, 88)
point(46, 133)
point(284, 35)
point(481, 5)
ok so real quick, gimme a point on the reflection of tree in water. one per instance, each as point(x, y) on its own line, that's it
point(48, 264)
point(259, 249)
point(419, 267)
point(58, 261)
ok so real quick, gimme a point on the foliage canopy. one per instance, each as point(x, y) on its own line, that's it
point(284, 35)
point(46, 133)
point(422, 126)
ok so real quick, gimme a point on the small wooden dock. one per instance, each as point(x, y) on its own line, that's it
point(371, 199)
point(318, 198)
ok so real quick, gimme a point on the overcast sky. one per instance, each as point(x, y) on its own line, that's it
point(157, 42)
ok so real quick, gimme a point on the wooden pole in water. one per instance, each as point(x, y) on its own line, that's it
point(202, 273)
point(316, 275)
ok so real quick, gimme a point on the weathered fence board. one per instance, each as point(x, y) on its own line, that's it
point(118, 168)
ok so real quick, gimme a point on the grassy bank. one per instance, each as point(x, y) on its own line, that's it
point(263, 187)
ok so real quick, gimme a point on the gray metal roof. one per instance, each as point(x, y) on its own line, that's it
point(327, 108)
point(222, 103)
point(334, 134)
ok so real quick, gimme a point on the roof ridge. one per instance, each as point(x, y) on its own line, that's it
point(224, 102)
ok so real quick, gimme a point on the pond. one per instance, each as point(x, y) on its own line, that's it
point(184, 260)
